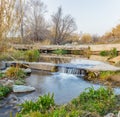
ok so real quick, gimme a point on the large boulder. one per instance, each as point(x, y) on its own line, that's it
point(22, 88)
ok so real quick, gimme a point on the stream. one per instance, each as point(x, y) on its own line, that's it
point(65, 87)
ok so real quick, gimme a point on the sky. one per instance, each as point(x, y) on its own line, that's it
point(91, 16)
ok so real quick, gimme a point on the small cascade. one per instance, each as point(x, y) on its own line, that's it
point(72, 70)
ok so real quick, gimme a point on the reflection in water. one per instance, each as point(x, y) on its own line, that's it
point(67, 58)
point(58, 58)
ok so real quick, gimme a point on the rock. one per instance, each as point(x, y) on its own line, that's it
point(2, 65)
point(3, 81)
point(118, 114)
point(9, 83)
point(110, 115)
point(22, 88)
point(27, 71)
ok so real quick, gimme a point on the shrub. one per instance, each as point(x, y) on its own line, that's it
point(43, 104)
point(32, 55)
point(18, 54)
point(104, 53)
point(111, 53)
point(2, 75)
point(100, 101)
point(15, 72)
point(60, 51)
point(4, 90)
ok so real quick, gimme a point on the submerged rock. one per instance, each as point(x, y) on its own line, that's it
point(22, 88)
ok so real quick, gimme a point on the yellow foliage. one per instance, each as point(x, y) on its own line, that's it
point(86, 38)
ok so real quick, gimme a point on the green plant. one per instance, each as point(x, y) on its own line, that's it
point(18, 54)
point(2, 75)
point(4, 90)
point(60, 51)
point(43, 104)
point(104, 53)
point(20, 81)
point(100, 101)
point(112, 53)
point(15, 72)
point(104, 75)
point(32, 55)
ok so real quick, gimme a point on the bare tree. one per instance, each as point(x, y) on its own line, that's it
point(63, 27)
point(21, 10)
point(7, 17)
point(36, 27)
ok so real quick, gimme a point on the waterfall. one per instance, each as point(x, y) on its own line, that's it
point(72, 70)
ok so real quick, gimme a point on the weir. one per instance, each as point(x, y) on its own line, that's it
point(71, 69)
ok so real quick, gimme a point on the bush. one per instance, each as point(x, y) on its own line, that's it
point(2, 75)
point(4, 91)
point(15, 73)
point(32, 55)
point(101, 101)
point(111, 53)
point(104, 53)
point(17, 54)
point(60, 51)
point(43, 104)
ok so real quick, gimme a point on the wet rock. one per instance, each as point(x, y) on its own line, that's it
point(27, 71)
point(2, 65)
point(110, 115)
point(22, 88)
